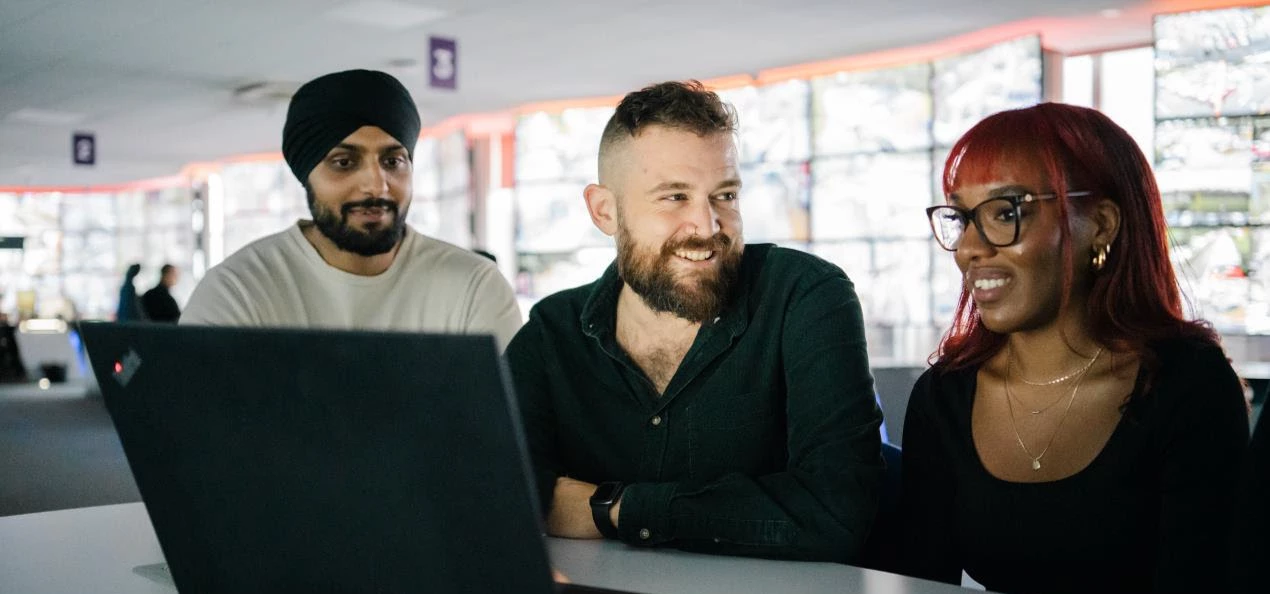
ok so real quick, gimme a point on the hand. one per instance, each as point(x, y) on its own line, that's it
point(570, 515)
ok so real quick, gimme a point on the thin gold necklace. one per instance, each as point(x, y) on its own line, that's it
point(1036, 411)
point(1036, 460)
point(1059, 380)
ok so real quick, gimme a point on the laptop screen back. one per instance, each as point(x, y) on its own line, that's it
point(289, 460)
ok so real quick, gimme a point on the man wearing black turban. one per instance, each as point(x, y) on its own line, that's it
point(357, 110)
point(349, 138)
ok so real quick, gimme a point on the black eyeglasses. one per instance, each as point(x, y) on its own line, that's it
point(999, 228)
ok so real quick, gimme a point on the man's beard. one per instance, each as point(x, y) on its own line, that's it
point(375, 240)
point(698, 296)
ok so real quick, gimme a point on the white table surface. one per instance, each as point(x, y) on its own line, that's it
point(96, 549)
point(610, 564)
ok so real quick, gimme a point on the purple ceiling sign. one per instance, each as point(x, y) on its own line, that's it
point(84, 148)
point(443, 63)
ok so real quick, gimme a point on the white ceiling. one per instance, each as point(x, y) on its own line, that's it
point(154, 79)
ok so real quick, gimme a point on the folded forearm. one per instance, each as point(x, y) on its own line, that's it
point(790, 515)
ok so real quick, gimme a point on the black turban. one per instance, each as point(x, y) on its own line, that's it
point(329, 108)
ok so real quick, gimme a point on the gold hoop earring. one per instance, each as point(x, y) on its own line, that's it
point(1100, 259)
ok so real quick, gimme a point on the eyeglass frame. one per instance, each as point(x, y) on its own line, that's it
point(971, 215)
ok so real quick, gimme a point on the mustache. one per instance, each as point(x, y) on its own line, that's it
point(719, 242)
point(369, 203)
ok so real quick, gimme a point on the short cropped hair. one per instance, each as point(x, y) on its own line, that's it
point(687, 106)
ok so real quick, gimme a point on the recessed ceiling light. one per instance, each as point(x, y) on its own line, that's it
point(45, 117)
point(265, 92)
point(385, 14)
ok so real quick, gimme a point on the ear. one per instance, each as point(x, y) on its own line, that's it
point(601, 204)
point(1106, 219)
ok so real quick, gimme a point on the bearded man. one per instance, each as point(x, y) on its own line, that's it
point(702, 394)
point(349, 139)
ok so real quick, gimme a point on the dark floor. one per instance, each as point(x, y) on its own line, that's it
point(59, 452)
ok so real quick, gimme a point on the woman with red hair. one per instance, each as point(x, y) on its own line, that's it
point(1075, 432)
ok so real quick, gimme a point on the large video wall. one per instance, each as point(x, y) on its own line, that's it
point(1212, 158)
point(838, 165)
point(77, 247)
point(841, 165)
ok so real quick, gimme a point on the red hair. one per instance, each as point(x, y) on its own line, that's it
point(1134, 300)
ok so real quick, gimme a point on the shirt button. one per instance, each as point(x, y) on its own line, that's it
point(645, 534)
point(656, 421)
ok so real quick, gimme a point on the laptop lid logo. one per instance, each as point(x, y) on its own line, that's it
point(127, 367)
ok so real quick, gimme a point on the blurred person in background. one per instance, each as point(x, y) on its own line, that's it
point(129, 308)
point(1076, 433)
point(158, 303)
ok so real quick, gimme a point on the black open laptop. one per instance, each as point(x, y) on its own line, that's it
point(325, 461)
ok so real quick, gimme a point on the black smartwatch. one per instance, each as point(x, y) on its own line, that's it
point(602, 501)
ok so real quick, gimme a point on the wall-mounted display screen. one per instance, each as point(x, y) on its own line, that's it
point(774, 202)
point(447, 219)
point(1204, 171)
point(1213, 63)
point(542, 274)
point(972, 86)
point(873, 111)
point(560, 146)
point(426, 180)
point(553, 218)
point(454, 164)
point(878, 195)
point(774, 122)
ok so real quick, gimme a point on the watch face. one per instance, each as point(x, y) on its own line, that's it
point(606, 493)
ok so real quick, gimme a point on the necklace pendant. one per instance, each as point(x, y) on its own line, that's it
point(1036, 465)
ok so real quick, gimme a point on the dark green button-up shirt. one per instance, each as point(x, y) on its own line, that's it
point(764, 443)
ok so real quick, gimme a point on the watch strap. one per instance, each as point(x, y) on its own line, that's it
point(601, 510)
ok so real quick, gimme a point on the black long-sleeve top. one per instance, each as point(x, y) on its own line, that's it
point(1252, 516)
point(1151, 512)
